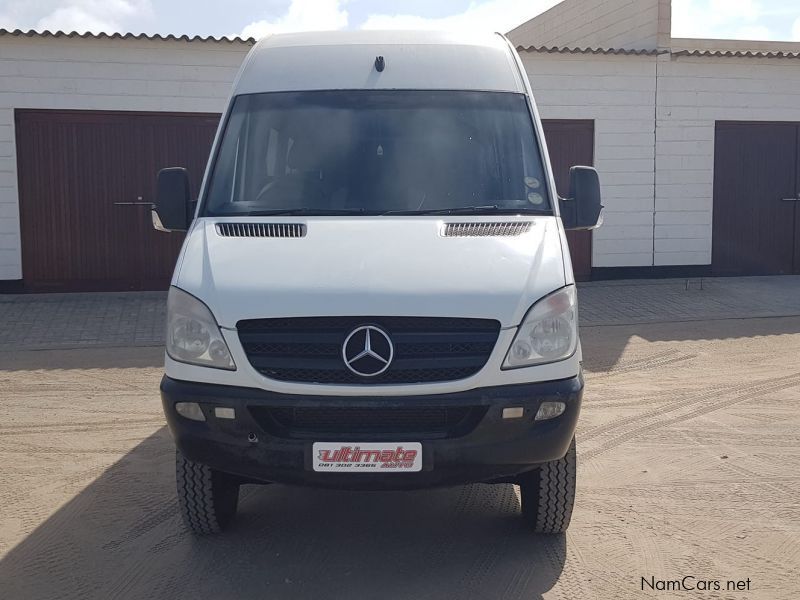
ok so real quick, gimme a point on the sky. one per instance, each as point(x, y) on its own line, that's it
point(733, 19)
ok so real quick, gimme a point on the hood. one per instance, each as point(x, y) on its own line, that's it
point(382, 266)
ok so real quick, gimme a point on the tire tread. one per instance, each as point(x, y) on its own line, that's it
point(548, 494)
point(207, 499)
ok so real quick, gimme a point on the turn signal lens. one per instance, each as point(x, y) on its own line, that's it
point(224, 412)
point(190, 410)
point(513, 413)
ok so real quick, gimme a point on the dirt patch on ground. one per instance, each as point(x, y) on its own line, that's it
point(689, 464)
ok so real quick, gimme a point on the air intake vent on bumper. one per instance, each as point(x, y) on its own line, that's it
point(266, 230)
point(486, 229)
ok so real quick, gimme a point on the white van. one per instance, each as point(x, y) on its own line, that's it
point(375, 291)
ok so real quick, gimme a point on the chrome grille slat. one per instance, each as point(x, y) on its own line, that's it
point(261, 230)
point(486, 229)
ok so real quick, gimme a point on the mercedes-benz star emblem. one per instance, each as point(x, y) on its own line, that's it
point(368, 351)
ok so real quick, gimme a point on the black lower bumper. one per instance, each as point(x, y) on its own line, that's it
point(490, 448)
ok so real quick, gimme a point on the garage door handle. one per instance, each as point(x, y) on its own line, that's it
point(791, 199)
point(138, 203)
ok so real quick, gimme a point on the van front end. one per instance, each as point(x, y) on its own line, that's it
point(379, 386)
point(375, 402)
point(375, 290)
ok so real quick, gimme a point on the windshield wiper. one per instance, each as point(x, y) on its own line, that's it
point(472, 210)
point(272, 212)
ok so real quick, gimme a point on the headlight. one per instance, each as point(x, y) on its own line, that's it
point(193, 335)
point(548, 333)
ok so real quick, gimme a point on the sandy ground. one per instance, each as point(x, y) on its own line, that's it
point(689, 453)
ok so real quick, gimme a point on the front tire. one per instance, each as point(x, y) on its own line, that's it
point(548, 494)
point(207, 498)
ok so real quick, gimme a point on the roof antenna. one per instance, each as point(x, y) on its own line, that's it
point(380, 64)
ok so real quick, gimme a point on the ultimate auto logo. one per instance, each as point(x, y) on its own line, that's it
point(398, 458)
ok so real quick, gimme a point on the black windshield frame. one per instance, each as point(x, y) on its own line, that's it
point(524, 134)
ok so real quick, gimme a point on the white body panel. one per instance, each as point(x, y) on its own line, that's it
point(381, 266)
point(378, 266)
point(414, 60)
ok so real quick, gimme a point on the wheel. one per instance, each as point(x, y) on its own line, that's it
point(207, 498)
point(548, 494)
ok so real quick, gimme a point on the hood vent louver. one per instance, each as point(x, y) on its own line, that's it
point(486, 229)
point(261, 230)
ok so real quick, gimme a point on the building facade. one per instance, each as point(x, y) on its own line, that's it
point(697, 143)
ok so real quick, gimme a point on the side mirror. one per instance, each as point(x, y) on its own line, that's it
point(173, 207)
point(582, 210)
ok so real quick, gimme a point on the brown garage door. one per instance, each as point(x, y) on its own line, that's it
point(571, 143)
point(756, 228)
point(85, 182)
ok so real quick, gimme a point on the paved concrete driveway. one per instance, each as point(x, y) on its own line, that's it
point(689, 464)
point(47, 321)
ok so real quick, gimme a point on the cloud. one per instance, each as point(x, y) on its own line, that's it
point(733, 19)
point(483, 15)
point(7, 21)
point(753, 32)
point(489, 15)
point(748, 10)
point(75, 15)
point(303, 15)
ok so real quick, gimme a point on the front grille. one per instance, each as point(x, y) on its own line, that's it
point(423, 422)
point(426, 349)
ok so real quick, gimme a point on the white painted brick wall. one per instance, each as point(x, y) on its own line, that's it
point(100, 75)
point(618, 93)
point(694, 93)
point(141, 75)
point(651, 219)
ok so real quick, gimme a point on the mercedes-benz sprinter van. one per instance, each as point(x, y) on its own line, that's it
point(375, 291)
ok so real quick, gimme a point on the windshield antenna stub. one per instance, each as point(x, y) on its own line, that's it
point(380, 64)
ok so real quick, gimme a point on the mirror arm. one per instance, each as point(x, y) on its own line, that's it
point(157, 225)
point(568, 209)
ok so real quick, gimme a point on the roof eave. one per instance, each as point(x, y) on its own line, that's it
point(588, 50)
point(126, 36)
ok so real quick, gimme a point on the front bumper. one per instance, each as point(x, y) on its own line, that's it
point(492, 449)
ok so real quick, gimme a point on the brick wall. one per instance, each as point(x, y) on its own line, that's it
point(661, 217)
point(64, 73)
point(653, 217)
point(618, 93)
point(694, 93)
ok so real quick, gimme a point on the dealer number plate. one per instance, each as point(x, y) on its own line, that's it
point(367, 457)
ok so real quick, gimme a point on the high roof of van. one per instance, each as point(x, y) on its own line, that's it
point(417, 60)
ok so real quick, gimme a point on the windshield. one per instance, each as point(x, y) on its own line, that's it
point(378, 152)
